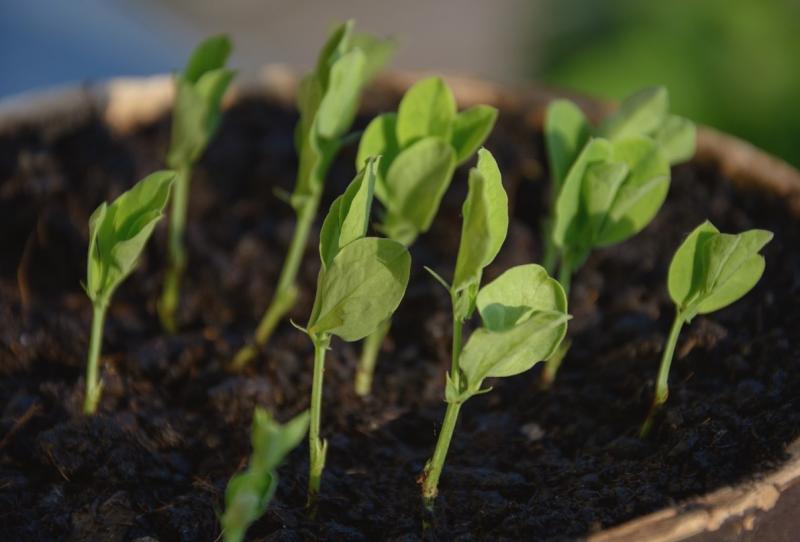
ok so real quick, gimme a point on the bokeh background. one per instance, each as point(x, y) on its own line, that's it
point(732, 64)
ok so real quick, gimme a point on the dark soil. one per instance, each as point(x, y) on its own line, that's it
point(174, 426)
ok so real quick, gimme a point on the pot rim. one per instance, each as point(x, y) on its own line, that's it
point(129, 102)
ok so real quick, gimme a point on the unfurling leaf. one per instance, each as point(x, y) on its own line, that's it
point(711, 270)
point(118, 233)
point(642, 113)
point(471, 128)
point(566, 132)
point(248, 493)
point(485, 223)
point(428, 108)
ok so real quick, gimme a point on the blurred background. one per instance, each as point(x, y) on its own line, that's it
point(732, 64)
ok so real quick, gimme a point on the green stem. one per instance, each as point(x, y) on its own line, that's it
point(317, 447)
point(176, 251)
point(93, 385)
point(549, 252)
point(433, 468)
point(286, 291)
point(565, 273)
point(554, 362)
point(369, 358)
point(662, 382)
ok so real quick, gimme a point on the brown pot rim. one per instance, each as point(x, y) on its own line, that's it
point(126, 103)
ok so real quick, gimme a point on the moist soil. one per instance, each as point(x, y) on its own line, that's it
point(173, 425)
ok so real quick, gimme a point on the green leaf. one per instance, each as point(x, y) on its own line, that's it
point(248, 493)
point(711, 270)
point(428, 108)
point(686, 274)
point(470, 129)
point(378, 53)
point(512, 297)
point(567, 227)
point(640, 114)
point(600, 187)
point(566, 132)
point(118, 233)
point(362, 287)
point(340, 101)
point(348, 217)
point(640, 195)
point(379, 139)
point(677, 138)
point(514, 350)
point(209, 55)
point(414, 186)
point(337, 44)
point(485, 223)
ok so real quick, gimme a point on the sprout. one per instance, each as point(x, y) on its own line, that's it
point(360, 284)
point(328, 100)
point(709, 271)
point(117, 236)
point(523, 311)
point(607, 187)
point(420, 145)
point(249, 492)
point(199, 92)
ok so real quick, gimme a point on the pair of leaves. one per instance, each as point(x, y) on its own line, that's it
point(199, 92)
point(118, 233)
point(524, 314)
point(248, 493)
point(421, 146)
point(609, 188)
point(711, 270)
point(328, 100)
point(362, 279)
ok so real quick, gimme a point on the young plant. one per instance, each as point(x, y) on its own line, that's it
point(327, 99)
point(249, 492)
point(709, 271)
point(360, 284)
point(420, 147)
point(117, 236)
point(196, 115)
point(609, 186)
point(523, 311)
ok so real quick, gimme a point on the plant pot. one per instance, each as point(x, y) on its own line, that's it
point(173, 425)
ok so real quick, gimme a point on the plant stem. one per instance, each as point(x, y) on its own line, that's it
point(565, 273)
point(93, 385)
point(662, 382)
point(549, 252)
point(554, 362)
point(286, 290)
point(170, 295)
point(317, 447)
point(369, 357)
point(434, 466)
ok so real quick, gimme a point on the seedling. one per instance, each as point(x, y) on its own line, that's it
point(328, 100)
point(420, 146)
point(198, 94)
point(117, 236)
point(609, 186)
point(709, 271)
point(249, 492)
point(360, 284)
point(523, 311)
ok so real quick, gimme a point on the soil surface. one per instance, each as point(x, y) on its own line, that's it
point(524, 464)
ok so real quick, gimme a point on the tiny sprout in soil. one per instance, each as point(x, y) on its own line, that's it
point(420, 147)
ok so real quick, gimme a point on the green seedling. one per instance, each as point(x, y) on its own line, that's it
point(249, 492)
point(608, 183)
point(709, 271)
point(420, 146)
point(117, 236)
point(523, 311)
point(196, 115)
point(327, 99)
point(360, 284)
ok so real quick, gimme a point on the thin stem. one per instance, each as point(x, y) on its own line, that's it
point(554, 362)
point(549, 252)
point(286, 290)
point(317, 447)
point(662, 382)
point(434, 466)
point(369, 358)
point(565, 273)
point(176, 251)
point(93, 385)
